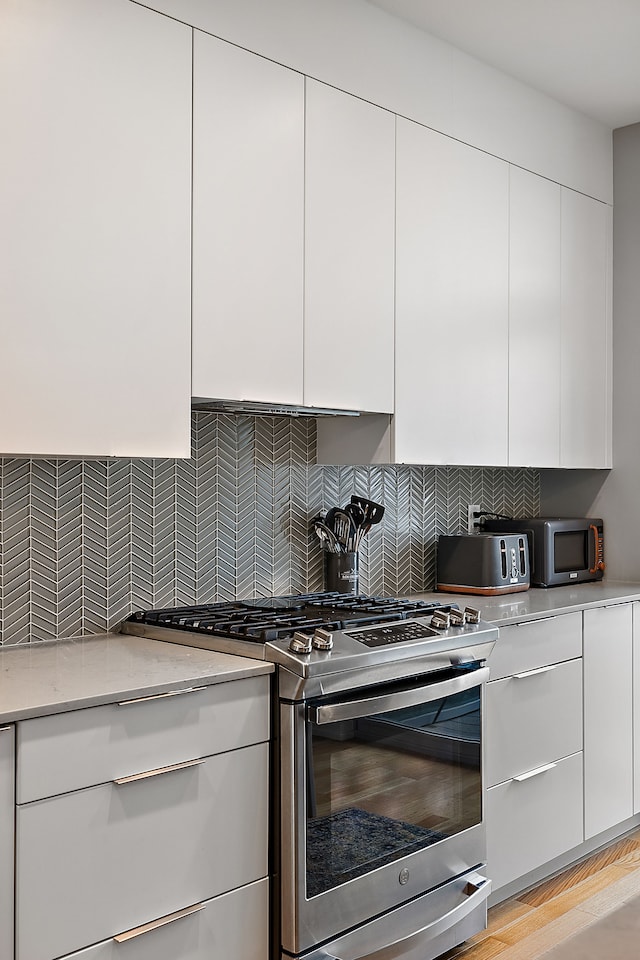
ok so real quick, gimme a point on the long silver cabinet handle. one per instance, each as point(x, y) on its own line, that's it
point(533, 673)
point(525, 623)
point(534, 773)
point(4, 729)
point(158, 771)
point(162, 922)
point(160, 696)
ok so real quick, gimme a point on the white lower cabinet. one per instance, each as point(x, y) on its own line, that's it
point(533, 717)
point(636, 707)
point(230, 926)
point(121, 854)
point(533, 818)
point(7, 780)
point(608, 717)
point(533, 759)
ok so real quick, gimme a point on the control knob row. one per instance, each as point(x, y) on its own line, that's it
point(304, 643)
point(443, 619)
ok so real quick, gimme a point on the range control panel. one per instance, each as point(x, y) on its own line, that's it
point(401, 632)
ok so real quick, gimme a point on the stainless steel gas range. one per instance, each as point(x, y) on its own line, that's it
point(378, 795)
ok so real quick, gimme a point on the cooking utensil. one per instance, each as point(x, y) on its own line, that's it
point(356, 514)
point(343, 527)
point(373, 512)
point(326, 536)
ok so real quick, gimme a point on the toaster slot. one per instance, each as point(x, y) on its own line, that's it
point(503, 558)
point(523, 556)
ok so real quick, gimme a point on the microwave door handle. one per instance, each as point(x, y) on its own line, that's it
point(596, 543)
point(365, 706)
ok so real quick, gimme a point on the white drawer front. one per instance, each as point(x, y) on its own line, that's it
point(533, 718)
point(102, 860)
point(532, 821)
point(7, 780)
point(81, 748)
point(234, 926)
point(524, 646)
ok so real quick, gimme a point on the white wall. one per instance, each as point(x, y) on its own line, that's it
point(615, 495)
point(365, 51)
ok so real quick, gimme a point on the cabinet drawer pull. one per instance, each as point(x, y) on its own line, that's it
point(160, 770)
point(155, 924)
point(532, 673)
point(525, 623)
point(160, 696)
point(534, 773)
point(4, 729)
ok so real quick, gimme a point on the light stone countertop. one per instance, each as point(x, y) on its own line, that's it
point(44, 678)
point(51, 677)
point(539, 602)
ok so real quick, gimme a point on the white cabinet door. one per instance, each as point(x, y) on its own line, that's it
point(349, 252)
point(234, 926)
point(95, 862)
point(636, 707)
point(608, 717)
point(7, 816)
point(585, 438)
point(532, 819)
point(95, 185)
point(82, 748)
point(248, 196)
point(534, 320)
point(452, 236)
point(533, 718)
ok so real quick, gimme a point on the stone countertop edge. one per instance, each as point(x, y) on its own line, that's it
point(40, 679)
point(538, 603)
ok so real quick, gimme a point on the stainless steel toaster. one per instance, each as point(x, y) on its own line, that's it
point(483, 563)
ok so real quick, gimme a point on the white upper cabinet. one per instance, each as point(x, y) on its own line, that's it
point(559, 326)
point(534, 320)
point(248, 221)
point(349, 252)
point(95, 182)
point(585, 437)
point(452, 261)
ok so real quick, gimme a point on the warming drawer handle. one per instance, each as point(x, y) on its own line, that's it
point(155, 924)
point(158, 772)
point(534, 773)
point(533, 673)
point(353, 709)
point(160, 696)
point(476, 890)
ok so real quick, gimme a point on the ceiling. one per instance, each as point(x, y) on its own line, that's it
point(585, 53)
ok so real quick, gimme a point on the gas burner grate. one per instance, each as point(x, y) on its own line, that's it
point(278, 618)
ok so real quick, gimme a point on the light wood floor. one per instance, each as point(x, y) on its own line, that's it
point(531, 924)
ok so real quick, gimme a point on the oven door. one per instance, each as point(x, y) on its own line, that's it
point(381, 800)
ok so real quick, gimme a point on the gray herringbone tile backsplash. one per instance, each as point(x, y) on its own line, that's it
point(83, 543)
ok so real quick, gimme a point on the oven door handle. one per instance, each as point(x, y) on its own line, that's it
point(365, 706)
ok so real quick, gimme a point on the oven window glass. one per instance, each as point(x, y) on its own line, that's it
point(570, 551)
point(384, 786)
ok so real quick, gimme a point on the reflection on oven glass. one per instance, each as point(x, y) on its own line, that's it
point(384, 786)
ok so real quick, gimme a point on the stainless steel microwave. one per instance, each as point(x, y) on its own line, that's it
point(561, 550)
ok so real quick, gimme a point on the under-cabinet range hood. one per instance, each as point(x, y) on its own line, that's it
point(258, 409)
